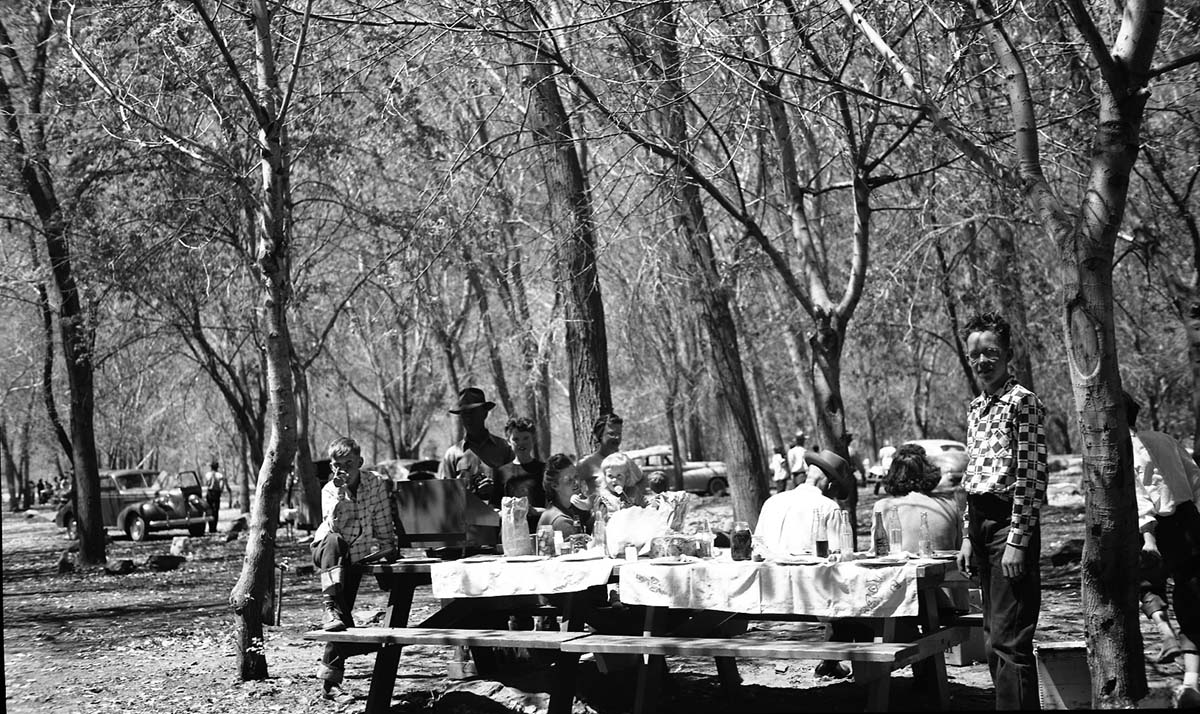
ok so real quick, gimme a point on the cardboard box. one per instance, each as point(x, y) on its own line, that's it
point(1064, 681)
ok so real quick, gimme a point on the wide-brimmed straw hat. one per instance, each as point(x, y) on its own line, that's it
point(834, 467)
point(470, 399)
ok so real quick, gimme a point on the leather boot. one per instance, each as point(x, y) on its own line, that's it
point(332, 620)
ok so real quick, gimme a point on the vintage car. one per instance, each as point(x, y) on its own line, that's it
point(703, 477)
point(139, 501)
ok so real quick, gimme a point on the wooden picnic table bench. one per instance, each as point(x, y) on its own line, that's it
point(562, 692)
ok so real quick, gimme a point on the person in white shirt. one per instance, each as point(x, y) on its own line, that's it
point(797, 465)
point(1166, 484)
point(785, 523)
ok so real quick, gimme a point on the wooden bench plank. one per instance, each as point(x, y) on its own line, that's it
point(744, 648)
point(973, 619)
point(529, 639)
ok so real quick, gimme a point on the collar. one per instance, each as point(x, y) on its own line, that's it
point(1000, 393)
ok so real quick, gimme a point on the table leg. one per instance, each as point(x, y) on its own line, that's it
point(653, 667)
point(383, 678)
point(931, 672)
point(879, 684)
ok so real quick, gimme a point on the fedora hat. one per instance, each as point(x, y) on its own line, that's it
point(471, 398)
point(834, 467)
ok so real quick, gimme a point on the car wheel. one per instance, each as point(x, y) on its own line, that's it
point(72, 528)
point(717, 487)
point(197, 530)
point(137, 528)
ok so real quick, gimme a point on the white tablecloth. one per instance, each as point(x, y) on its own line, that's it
point(459, 578)
point(827, 590)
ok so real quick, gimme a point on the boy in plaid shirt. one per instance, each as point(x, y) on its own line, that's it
point(1005, 484)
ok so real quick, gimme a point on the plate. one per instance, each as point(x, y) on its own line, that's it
point(880, 562)
point(672, 560)
point(524, 558)
point(798, 560)
point(945, 553)
point(418, 559)
point(583, 555)
point(480, 559)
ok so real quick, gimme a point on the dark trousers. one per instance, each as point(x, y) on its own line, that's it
point(214, 510)
point(1010, 606)
point(1152, 588)
point(1178, 537)
point(328, 553)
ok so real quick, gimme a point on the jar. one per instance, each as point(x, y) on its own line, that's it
point(741, 541)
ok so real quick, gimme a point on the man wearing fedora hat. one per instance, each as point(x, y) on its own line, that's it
point(785, 523)
point(462, 460)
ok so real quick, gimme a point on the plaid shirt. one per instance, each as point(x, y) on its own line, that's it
point(1006, 447)
point(368, 511)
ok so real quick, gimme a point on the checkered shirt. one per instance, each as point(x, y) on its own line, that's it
point(1006, 447)
point(368, 513)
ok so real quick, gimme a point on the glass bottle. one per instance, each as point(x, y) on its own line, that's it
point(924, 544)
point(895, 534)
point(600, 526)
point(820, 535)
point(846, 534)
point(879, 535)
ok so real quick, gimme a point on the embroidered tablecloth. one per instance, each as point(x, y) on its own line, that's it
point(827, 590)
point(466, 578)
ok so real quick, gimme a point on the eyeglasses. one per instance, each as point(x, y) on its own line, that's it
point(992, 354)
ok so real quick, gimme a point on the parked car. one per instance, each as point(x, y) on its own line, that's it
point(407, 469)
point(704, 477)
point(139, 501)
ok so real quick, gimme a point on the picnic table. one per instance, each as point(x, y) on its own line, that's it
point(895, 599)
point(691, 608)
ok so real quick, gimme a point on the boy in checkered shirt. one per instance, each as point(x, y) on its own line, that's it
point(1005, 484)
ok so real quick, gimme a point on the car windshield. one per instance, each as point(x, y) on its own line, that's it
point(134, 480)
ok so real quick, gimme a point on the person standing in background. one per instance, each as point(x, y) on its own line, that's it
point(1166, 483)
point(214, 485)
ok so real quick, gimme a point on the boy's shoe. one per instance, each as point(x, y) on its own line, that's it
point(1186, 697)
point(336, 694)
point(831, 668)
point(1169, 651)
point(332, 618)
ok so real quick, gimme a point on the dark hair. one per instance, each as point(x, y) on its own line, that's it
point(1131, 408)
point(555, 466)
point(213, 464)
point(990, 322)
point(910, 471)
point(519, 424)
point(603, 421)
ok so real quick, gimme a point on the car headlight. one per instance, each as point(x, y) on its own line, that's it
point(194, 500)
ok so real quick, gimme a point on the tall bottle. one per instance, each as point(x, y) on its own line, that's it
point(924, 543)
point(820, 535)
point(895, 534)
point(600, 526)
point(879, 535)
point(846, 534)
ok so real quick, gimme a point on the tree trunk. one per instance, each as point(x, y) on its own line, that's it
point(572, 221)
point(309, 497)
point(252, 598)
point(1111, 544)
point(737, 426)
point(28, 160)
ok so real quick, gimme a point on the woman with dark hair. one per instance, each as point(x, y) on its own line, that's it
point(909, 483)
point(560, 483)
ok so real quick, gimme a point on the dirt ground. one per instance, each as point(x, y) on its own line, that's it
point(162, 642)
